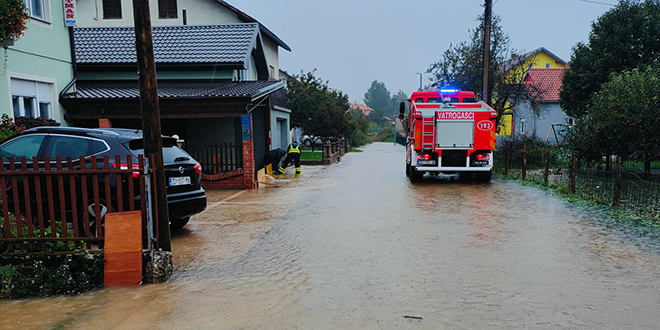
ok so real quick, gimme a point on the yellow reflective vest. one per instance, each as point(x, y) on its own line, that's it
point(293, 149)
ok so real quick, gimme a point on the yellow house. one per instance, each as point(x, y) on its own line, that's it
point(540, 58)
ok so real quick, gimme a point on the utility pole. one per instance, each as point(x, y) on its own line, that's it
point(487, 20)
point(151, 135)
point(420, 80)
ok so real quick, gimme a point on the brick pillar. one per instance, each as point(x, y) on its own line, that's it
point(248, 161)
point(105, 123)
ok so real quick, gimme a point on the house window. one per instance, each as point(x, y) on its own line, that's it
point(167, 9)
point(547, 65)
point(31, 99)
point(36, 8)
point(111, 9)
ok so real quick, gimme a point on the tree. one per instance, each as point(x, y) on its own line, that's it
point(622, 39)
point(623, 118)
point(397, 99)
point(358, 127)
point(461, 66)
point(379, 98)
point(315, 107)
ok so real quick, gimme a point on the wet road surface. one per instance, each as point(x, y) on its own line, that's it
point(356, 246)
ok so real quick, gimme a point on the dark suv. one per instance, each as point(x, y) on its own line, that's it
point(185, 196)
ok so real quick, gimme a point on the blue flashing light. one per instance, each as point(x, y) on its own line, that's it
point(449, 89)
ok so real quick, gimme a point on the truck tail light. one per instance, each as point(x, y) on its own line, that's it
point(483, 157)
point(198, 168)
point(424, 157)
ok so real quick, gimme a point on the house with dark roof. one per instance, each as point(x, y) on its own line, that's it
point(548, 125)
point(215, 63)
point(210, 78)
point(119, 13)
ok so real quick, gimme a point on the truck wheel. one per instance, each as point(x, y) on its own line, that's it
point(416, 176)
point(482, 176)
point(408, 170)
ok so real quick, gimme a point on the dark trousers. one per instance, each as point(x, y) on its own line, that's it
point(292, 157)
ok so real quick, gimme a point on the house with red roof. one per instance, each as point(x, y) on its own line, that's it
point(547, 124)
point(517, 68)
point(363, 108)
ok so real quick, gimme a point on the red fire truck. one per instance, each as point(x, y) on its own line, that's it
point(449, 132)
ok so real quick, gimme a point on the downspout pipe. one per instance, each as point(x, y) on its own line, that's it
point(73, 66)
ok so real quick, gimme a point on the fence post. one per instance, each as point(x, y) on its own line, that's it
point(547, 166)
point(507, 150)
point(617, 182)
point(573, 174)
point(524, 164)
point(326, 151)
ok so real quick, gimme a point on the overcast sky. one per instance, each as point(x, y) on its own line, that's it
point(353, 42)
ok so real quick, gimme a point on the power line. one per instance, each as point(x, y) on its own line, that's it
point(599, 3)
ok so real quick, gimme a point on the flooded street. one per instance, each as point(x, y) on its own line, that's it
point(356, 246)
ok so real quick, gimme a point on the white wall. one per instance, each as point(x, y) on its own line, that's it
point(279, 133)
point(272, 57)
point(539, 127)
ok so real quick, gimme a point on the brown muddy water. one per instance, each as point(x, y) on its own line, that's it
point(356, 246)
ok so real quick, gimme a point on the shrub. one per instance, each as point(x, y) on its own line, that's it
point(52, 275)
point(9, 127)
point(13, 15)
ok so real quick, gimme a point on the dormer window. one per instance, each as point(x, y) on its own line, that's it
point(111, 9)
point(167, 9)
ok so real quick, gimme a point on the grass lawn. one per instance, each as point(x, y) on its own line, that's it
point(309, 155)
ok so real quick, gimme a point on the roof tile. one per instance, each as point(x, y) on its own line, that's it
point(226, 44)
point(175, 89)
point(549, 81)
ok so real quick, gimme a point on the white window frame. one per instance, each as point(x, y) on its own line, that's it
point(47, 19)
point(53, 111)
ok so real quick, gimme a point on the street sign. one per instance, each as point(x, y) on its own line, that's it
point(246, 124)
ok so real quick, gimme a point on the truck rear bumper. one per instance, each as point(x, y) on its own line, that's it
point(452, 169)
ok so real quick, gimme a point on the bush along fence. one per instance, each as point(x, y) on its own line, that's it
point(616, 181)
point(52, 219)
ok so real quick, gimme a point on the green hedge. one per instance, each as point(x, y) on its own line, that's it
point(51, 274)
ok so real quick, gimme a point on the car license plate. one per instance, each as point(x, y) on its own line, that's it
point(180, 181)
point(426, 162)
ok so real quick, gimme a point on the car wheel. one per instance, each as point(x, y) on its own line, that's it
point(94, 220)
point(176, 224)
point(307, 143)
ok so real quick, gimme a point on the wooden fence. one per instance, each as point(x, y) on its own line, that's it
point(65, 200)
point(216, 158)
